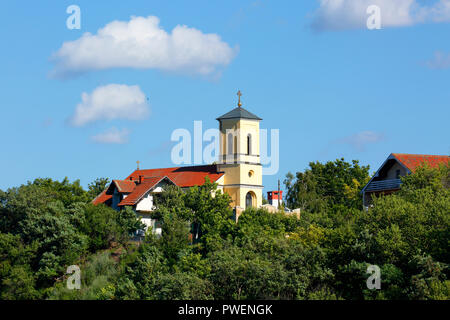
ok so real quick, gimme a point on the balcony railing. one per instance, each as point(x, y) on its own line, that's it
point(384, 185)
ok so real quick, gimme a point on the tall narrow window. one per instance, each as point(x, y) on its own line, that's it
point(230, 143)
point(248, 200)
point(249, 144)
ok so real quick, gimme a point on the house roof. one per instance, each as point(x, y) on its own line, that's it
point(181, 176)
point(124, 186)
point(413, 161)
point(102, 197)
point(141, 189)
point(239, 113)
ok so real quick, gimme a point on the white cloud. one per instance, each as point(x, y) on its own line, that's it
point(352, 14)
point(439, 12)
point(439, 61)
point(113, 101)
point(112, 136)
point(141, 43)
point(359, 140)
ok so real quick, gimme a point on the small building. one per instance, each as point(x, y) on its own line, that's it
point(274, 205)
point(387, 178)
point(275, 198)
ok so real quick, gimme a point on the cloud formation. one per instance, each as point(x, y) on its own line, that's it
point(142, 44)
point(360, 140)
point(439, 61)
point(352, 14)
point(113, 101)
point(112, 136)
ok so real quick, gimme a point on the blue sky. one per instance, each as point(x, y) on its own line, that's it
point(315, 72)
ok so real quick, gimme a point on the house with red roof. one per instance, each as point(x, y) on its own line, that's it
point(238, 172)
point(139, 189)
point(387, 178)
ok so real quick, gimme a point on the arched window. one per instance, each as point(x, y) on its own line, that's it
point(249, 144)
point(230, 143)
point(248, 200)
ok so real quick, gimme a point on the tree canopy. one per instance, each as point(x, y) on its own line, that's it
point(202, 253)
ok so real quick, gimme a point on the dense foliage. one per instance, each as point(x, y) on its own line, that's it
point(46, 226)
point(203, 254)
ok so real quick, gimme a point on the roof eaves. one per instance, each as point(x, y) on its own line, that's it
point(149, 189)
point(391, 156)
point(239, 113)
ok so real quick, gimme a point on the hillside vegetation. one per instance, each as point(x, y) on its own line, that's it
point(46, 226)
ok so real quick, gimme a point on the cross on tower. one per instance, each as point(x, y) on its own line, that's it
point(239, 94)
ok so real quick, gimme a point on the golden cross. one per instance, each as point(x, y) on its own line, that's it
point(239, 95)
point(138, 164)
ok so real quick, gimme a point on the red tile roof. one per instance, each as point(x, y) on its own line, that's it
point(102, 198)
point(125, 186)
point(140, 190)
point(412, 161)
point(181, 176)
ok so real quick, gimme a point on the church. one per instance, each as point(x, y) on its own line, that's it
point(238, 172)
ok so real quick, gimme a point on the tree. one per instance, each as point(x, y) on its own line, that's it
point(429, 280)
point(140, 275)
point(326, 185)
point(59, 242)
point(97, 186)
point(17, 280)
point(415, 218)
point(175, 236)
point(99, 224)
point(182, 286)
point(32, 198)
point(210, 211)
point(19, 285)
point(48, 225)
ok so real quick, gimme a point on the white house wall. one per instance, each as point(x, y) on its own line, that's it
point(150, 224)
point(146, 203)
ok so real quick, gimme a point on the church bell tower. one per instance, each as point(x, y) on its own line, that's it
point(240, 157)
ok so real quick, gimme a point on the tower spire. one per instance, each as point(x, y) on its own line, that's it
point(239, 94)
